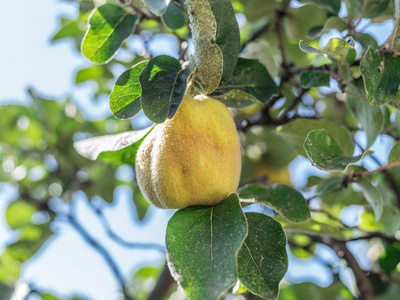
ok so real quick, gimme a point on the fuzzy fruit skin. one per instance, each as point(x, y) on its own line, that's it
point(193, 158)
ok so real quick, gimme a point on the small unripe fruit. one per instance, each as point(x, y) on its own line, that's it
point(193, 158)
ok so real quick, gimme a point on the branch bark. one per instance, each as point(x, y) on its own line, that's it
point(364, 285)
point(163, 285)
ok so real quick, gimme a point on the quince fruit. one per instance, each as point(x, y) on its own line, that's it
point(193, 158)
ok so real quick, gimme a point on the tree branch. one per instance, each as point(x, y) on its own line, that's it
point(364, 285)
point(121, 241)
point(103, 252)
point(163, 285)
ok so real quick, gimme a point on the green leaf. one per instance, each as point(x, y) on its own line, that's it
point(369, 117)
point(288, 202)
point(141, 204)
point(5, 291)
point(381, 76)
point(373, 8)
point(333, 6)
point(163, 84)
point(262, 260)
point(174, 18)
point(125, 97)
point(390, 259)
point(325, 153)
point(236, 98)
point(94, 72)
point(372, 195)
point(300, 20)
point(202, 244)
point(251, 77)
point(119, 148)
point(19, 213)
point(336, 47)
point(296, 132)
point(366, 40)
point(228, 35)
point(69, 29)
point(394, 156)
point(109, 26)
point(389, 222)
point(331, 23)
point(328, 185)
point(208, 56)
point(157, 7)
point(312, 227)
point(314, 79)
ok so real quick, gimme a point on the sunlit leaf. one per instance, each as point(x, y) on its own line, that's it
point(125, 97)
point(109, 26)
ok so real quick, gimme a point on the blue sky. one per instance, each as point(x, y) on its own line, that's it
point(67, 265)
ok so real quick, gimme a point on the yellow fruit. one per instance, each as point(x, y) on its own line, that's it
point(273, 175)
point(193, 158)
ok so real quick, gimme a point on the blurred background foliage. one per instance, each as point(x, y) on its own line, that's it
point(39, 162)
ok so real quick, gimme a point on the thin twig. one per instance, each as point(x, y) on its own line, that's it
point(364, 174)
point(121, 241)
point(103, 252)
point(396, 25)
point(354, 95)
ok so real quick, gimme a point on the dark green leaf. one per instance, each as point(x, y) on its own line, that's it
point(366, 40)
point(394, 156)
point(19, 213)
point(332, 23)
point(369, 117)
point(301, 19)
point(314, 79)
point(262, 260)
point(125, 97)
point(372, 195)
point(288, 202)
point(390, 259)
point(202, 244)
point(5, 292)
point(120, 147)
point(251, 77)
point(157, 7)
point(163, 84)
point(328, 185)
point(228, 36)
point(372, 8)
point(208, 55)
point(333, 6)
point(109, 26)
point(174, 18)
point(381, 76)
point(325, 153)
point(296, 132)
